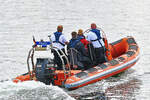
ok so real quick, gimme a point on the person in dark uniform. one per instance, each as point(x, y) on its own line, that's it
point(77, 53)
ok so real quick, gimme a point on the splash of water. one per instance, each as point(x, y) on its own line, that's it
point(31, 90)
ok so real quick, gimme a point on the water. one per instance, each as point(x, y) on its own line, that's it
point(21, 19)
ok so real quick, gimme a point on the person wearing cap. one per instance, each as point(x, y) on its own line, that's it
point(77, 55)
point(59, 41)
point(94, 36)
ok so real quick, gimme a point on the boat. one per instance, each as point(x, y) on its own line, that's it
point(122, 55)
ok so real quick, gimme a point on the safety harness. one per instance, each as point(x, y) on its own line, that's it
point(57, 36)
point(97, 32)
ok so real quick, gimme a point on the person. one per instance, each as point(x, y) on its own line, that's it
point(81, 37)
point(59, 41)
point(77, 55)
point(94, 36)
point(88, 46)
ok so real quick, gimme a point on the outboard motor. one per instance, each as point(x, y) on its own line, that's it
point(45, 70)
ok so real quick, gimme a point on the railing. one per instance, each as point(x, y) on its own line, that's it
point(31, 55)
point(38, 47)
point(67, 71)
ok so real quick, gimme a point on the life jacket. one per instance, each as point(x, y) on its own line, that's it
point(97, 32)
point(107, 52)
point(57, 36)
point(81, 37)
point(83, 40)
point(73, 42)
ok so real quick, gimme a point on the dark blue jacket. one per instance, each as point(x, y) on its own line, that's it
point(75, 43)
point(79, 54)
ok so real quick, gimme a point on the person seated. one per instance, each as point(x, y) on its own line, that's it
point(81, 37)
point(59, 41)
point(94, 36)
point(77, 55)
point(88, 46)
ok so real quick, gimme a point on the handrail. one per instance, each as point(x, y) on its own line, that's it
point(62, 60)
point(108, 53)
point(28, 65)
point(32, 60)
point(64, 55)
point(31, 56)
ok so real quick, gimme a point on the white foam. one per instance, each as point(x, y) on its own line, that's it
point(10, 90)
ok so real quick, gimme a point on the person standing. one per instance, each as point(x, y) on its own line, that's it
point(94, 36)
point(59, 41)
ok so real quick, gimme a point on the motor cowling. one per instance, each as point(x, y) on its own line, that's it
point(45, 70)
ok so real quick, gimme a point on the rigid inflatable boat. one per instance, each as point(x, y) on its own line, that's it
point(124, 54)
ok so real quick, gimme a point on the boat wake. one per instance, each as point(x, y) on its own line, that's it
point(31, 90)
